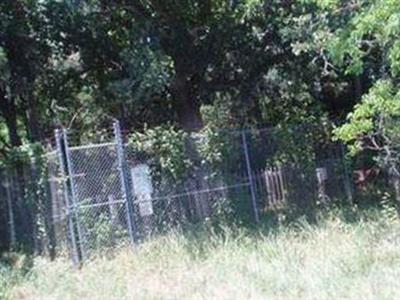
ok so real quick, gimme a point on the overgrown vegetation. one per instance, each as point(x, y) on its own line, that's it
point(178, 73)
point(348, 254)
point(265, 62)
point(374, 127)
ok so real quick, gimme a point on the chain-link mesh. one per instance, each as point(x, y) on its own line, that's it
point(297, 167)
point(98, 205)
point(7, 196)
point(59, 236)
point(163, 201)
point(94, 198)
point(33, 206)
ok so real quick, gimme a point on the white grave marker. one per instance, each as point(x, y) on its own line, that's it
point(322, 174)
point(142, 188)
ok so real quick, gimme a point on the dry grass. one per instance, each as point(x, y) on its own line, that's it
point(331, 260)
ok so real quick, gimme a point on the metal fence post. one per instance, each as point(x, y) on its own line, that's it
point(126, 192)
point(347, 182)
point(10, 210)
point(75, 252)
point(75, 207)
point(250, 175)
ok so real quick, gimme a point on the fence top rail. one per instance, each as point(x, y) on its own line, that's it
point(91, 146)
point(52, 152)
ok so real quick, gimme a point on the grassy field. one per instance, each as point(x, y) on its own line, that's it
point(336, 258)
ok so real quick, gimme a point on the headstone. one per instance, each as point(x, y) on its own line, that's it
point(142, 189)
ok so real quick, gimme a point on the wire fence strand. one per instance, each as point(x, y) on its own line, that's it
point(101, 196)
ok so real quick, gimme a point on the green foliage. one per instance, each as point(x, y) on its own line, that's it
point(374, 122)
point(373, 27)
point(174, 151)
point(389, 209)
point(167, 146)
point(394, 58)
point(374, 125)
point(134, 61)
point(13, 268)
point(3, 64)
point(100, 232)
point(24, 154)
point(294, 146)
point(349, 253)
point(215, 144)
point(331, 4)
point(298, 145)
point(249, 63)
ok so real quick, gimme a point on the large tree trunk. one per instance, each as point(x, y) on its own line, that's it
point(18, 48)
point(358, 88)
point(33, 118)
point(186, 98)
point(187, 108)
point(20, 52)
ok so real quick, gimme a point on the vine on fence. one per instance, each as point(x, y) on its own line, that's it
point(29, 206)
point(167, 146)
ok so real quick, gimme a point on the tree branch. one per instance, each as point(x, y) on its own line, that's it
point(136, 7)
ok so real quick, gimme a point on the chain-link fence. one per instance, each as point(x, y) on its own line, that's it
point(92, 198)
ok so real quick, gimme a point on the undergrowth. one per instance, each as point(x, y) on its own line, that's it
point(344, 254)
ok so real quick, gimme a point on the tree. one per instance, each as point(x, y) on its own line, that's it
point(371, 41)
point(26, 51)
point(374, 126)
point(213, 46)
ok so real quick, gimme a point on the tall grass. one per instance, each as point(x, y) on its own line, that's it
point(336, 258)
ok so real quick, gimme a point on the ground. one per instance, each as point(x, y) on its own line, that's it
point(335, 258)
